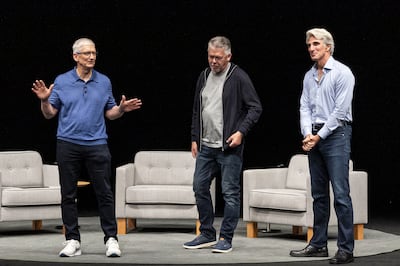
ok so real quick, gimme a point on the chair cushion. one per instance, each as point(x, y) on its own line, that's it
point(164, 168)
point(279, 199)
point(11, 196)
point(160, 194)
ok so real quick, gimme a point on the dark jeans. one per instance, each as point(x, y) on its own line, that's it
point(97, 160)
point(209, 161)
point(329, 161)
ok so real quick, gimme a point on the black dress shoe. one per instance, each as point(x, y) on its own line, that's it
point(310, 251)
point(342, 257)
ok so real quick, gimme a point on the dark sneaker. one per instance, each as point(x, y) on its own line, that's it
point(222, 246)
point(200, 242)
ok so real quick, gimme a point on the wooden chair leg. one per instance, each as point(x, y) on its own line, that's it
point(131, 224)
point(198, 227)
point(125, 224)
point(358, 231)
point(297, 230)
point(121, 225)
point(310, 233)
point(37, 225)
point(251, 229)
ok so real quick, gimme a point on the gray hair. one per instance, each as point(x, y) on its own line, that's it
point(220, 42)
point(78, 44)
point(323, 35)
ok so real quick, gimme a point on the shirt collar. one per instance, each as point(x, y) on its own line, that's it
point(328, 65)
point(92, 78)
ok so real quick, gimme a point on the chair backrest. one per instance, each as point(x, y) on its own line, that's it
point(298, 172)
point(164, 168)
point(21, 169)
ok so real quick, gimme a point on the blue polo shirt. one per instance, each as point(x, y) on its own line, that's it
point(81, 106)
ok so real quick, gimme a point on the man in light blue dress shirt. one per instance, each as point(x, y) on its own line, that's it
point(325, 121)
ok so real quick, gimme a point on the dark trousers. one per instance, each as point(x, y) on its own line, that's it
point(329, 162)
point(97, 160)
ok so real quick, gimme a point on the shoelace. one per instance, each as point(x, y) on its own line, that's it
point(65, 243)
point(111, 242)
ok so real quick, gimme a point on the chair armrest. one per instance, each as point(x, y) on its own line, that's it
point(212, 191)
point(124, 177)
point(309, 204)
point(358, 181)
point(359, 195)
point(1, 189)
point(261, 178)
point(51, 177)
point(264, 178)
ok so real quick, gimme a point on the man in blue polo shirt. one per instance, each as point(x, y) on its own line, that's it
point(81, 98)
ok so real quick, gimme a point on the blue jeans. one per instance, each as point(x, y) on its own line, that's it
point(329, 161)
point(209, 161)
point(97, 160)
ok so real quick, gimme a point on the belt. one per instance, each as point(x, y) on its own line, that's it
point(346, 123)
point(316, 127)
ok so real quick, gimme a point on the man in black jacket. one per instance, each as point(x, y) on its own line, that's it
point(226, 106)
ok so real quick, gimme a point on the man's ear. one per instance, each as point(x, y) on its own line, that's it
point(75, 57)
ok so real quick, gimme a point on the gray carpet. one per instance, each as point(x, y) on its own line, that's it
point(160, 242)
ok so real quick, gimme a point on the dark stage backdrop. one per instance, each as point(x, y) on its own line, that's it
point(156, 49)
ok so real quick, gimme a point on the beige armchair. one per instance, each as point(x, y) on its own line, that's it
point(29, 189)
point(283, 196)
point(157, 185)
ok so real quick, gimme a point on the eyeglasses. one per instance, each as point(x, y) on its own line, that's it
point(87, 54)
point(216, 58)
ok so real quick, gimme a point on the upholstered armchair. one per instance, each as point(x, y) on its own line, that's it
point(29, 189)
point(283, 196)
point(156, 185)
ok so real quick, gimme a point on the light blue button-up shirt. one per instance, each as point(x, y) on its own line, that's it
point(326, 101)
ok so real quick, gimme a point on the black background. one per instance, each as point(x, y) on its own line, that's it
point(156, 49)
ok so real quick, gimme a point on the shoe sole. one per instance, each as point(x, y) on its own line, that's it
point(221, 250)
point(205, 245)
point(113, 255)
point(77, 253)
point(310, 256)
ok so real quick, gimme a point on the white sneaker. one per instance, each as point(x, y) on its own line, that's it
point(72, 248)
point(112, 248)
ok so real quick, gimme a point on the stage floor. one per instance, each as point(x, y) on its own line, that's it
point(160, 242)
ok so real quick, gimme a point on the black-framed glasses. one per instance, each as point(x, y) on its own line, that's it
point(87, 54)
point(215, 57)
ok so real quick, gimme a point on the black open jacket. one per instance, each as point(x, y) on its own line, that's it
point(241, 106)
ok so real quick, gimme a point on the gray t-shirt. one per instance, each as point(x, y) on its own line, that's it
point(212, 113)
